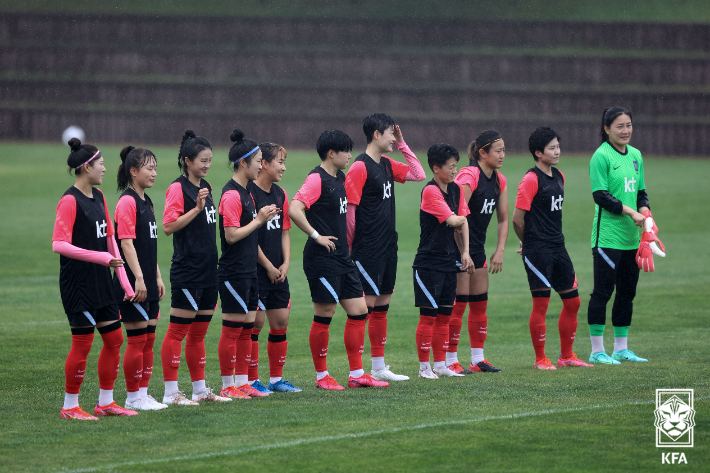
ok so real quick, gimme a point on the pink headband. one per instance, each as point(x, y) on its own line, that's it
point(90, 159)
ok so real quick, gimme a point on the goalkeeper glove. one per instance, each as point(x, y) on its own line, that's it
point(649, 244)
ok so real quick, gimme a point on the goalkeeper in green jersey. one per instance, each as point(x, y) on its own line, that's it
point(619, 190)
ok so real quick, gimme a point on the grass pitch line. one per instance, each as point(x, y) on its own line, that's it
point(330, 438)
point(41, 322)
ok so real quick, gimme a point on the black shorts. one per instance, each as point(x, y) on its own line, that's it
point(479, 260)
point(378, 277)
point(204, 298)
point(278, 296)
point(92, 317)
point(434, 288)
point(239, 296)
point(336, 288)
point(551, 270)
point(139, 311)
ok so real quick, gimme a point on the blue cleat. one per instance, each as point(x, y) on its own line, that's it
point(602, 358)
point(627, 355)
point(260, 387)
point(284, 386)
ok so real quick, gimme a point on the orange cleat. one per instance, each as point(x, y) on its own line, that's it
point(544, 364)
point(251, 392)
point(366, 381)
point(76, 413)
point(329, 383)
point(234, 393)
point(113, 409)
point(485, 366)
point(573, 361)
point(458, 369)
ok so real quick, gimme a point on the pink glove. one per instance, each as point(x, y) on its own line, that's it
point(648, 246)
point(647, 214)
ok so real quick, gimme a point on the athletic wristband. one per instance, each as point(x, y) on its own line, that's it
point(314, 235)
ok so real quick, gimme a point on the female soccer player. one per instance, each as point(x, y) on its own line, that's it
point(190, 217)
point(137, 234)
point(443, 211)
point(331, 274)
point(83, 237)
point(537, 220)
point(619, 191)
point(272, 270)
point(484, 188)
point(238, 283)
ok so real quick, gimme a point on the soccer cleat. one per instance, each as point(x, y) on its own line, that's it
point(387, 375)
point(283, 386)
point(251, 391)
point(446, 373)
point(427, 373)
point(544, 364)
point(602, 358)
point(234, 393)
point(328, 382)
point(113, 409)
point(457, 368)
point(366, 381)
point(627, 355)
point(144, 404)
point(178, 398)
point(260, 387)
point(152, 400)
point(207, 395)
point(76, 413)
point(485, 367)
point(572, 361)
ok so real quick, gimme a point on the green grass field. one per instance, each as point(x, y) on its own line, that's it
point(598, 419)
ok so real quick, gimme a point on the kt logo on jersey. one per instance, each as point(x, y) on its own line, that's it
point(675, 417)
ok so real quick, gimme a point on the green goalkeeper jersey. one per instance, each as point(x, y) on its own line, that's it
point(622, 176)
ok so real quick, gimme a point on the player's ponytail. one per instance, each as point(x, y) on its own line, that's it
point(80, 155)
point(482, 142)
point(190, 146)
point(608, 117)
point(132, 157)
point(242, 150)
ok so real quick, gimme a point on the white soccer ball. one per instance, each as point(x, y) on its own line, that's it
point(72, 132)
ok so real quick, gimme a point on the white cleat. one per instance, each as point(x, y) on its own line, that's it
point(447, 373)
point(158, 405)
point(207, 395)
point(142, 404)
point(178, 399)
point(427, 373)
point(387, 375)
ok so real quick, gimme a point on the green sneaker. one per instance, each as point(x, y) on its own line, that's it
point(602, 358)
point(627, 355)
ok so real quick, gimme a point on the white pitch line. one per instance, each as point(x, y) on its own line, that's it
point(295, 443)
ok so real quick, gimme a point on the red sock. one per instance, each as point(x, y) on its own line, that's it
point(424, 333)
point(318, 340)
point(568, 322)
point(276, 347)
point(172, 346)
point(227, 347)
point(377, 330)
point(195, 347)
point(254, 363)
point(110, 356)
point(148, 355)
point(133, 358)
point(455, 323)
point(354, 336)
point(440, 334)
point(244, 350)
point(541, 299)
point(478, 319)
point(75, 366)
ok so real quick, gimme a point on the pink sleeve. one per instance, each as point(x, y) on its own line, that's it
point(230, 207)
point(526, 191)
point(174, 203)
point(120, 271)
point(64, 222)
point(287, 219)
point(350, 217)
point(355, 181)
point(433, 203)
point(65, 248)
point(415, 171)
point(309, 193)
point(126, 218)
point(502, 181)
point(463, 206)
point(469, 175)
point(109, 220)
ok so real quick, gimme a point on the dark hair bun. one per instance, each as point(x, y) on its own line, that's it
point(237, 135)
point(74, 144)
point(188, 134)
point(125, 151)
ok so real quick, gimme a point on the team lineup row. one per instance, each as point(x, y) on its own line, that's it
point(350, 258)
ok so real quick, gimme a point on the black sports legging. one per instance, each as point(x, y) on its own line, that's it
point(613, 268)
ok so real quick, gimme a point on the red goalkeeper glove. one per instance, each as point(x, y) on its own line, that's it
point(649, 244)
